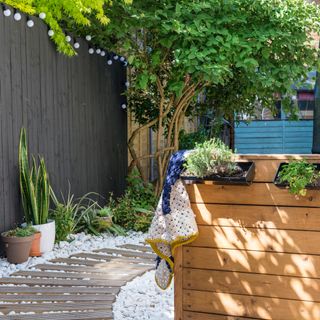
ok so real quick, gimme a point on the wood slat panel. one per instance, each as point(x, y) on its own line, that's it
point(270, 217)
point(298, 265)
point(250, 306)
point(206, 316)
point(252, 284)
point(271, 240)
point(178, 284)
point(255, 194)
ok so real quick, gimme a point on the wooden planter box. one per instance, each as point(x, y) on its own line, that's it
point(257, 254)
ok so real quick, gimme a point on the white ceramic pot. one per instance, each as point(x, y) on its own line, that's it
point(48, 234)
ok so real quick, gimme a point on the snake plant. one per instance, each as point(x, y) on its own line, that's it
point(34, 185)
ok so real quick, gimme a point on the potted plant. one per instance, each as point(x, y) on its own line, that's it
point(213, 160)
point(298, 176)
point(35, 195)
point(35, 246)
point(17, 243)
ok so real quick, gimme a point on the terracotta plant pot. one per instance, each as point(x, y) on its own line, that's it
point(17, 248)
point(35, 247)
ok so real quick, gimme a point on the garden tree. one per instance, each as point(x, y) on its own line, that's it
point(177, 49)
point(57, 12)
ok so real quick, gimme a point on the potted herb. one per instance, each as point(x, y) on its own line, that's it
point(213, 160)
point(35, 194)
point(298, 176)
point(17, 243)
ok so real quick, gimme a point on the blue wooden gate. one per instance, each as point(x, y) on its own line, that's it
point(274, 136)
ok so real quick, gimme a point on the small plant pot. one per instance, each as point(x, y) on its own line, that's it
point(48, 235)
point(245, 178)
point(35, 247)
point(17, 248)
point(279, 184)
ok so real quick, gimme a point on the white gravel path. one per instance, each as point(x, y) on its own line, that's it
point(140, 299)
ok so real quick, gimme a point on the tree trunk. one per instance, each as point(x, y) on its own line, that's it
point(316, 118)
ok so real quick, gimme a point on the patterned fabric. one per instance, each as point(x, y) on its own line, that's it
point(174, 222)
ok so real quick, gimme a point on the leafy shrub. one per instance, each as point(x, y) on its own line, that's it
point(211, 157)
point(298, 174)
point(188, 141)
point(134, 210)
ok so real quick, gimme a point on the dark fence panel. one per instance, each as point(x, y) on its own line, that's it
point(71, 108)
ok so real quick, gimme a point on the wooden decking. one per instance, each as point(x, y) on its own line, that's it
point(83, 286)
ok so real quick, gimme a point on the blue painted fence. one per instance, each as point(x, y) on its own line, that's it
point(274, 136)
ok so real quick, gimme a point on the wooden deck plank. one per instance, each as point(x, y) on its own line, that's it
point(206, 316)
point(74, 275)
point(97, 315)
point(62, 297)
point(127, 253)
point(58, 290)
point(47, 307)
point(57, 282)
point(129, 258)
point(136, 247)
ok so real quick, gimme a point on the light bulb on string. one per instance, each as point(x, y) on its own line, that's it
point(127, 84)
point(91, 51)
point(116, 57)
point(122, 59)
point(68, 38)
point(7, 12)
point(109, 62)
point(124, 106)
point(30, 23)
point(42, 15)
point(125, 64)
point(98, 51)
point(50, 33)
point(17, 16)
point(76, 45)
point(103, 53)
point(88, 37)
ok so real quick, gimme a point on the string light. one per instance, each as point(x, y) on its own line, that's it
point(103, 53)
point(50, 33)
point(98, 51)
point(17, 16)
point(30, 23)
point(125, 63)
point(42, 15)
point(122, 59)
point(88, 37)
point(7, 12)
point(116, 57)
point(76, 45)
point(91, 51)
point(124, 106)
point(68, 38)
point(127, 84)
point(109, 62)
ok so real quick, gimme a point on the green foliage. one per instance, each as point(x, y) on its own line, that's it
point(76, 13)
point(81, 215)
point(211, 157)
point(299, 174)
point(21, 232)
point(237, 50)
point(34, 185)
point(134, 210)
point(188, 141)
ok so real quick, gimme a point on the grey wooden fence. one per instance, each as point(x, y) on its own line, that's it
point(71, 108)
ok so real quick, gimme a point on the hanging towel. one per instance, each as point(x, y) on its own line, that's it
point(174, 221)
